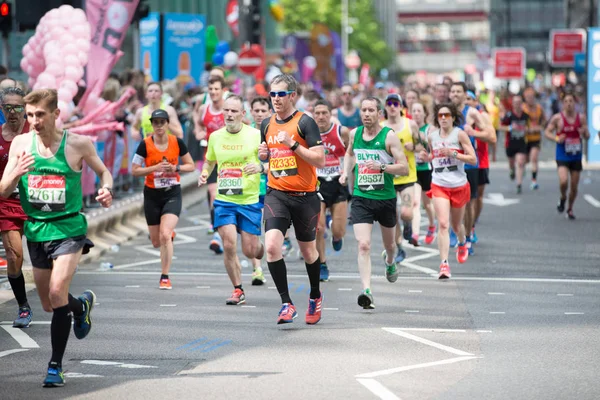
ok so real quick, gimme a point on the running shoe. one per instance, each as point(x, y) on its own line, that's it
point(54, 377)
point(287, 247)
point(173, 235)
point(474, 238)
point(534, 185)
point(470, 246)
point(337, 244)
point(328, 221)
point(237, 297)
point(324, 273)
point(453, 239)
point(287, 313)
point(462, 253)
point(414, 240)
point(210, 230)
point(365, 299)
point(216, 244)
point(570, 215)
point(519, 189)
point(430, 236)
point(561, 205)
point(83, 323)
point(24, 318)
point(512, 175)
point(3, 263)
point(444, 271)
point(400, 255)
point(258, 277)
point(391, 271)
point(407, 232)
point(165, 284)
point(313, 313)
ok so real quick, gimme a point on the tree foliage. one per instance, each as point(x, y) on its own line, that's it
point(366, 38)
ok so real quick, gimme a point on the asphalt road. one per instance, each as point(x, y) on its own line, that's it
point(519, 320)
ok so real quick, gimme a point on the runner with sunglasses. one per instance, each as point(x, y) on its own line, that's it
point(12, 216)
point(157, 158)
point(291, 142)
point(450, 149)
point(377, 154)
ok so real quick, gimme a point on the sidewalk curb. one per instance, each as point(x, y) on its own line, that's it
point(121, 222)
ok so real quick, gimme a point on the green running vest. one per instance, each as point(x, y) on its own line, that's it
point(372, 184)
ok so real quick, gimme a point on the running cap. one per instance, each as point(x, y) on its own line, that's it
point(471, 95)
point(394, 96)
point(159, 114)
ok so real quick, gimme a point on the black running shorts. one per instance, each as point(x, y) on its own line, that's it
point(301, 209)
point(158, 202)
point(367, 211)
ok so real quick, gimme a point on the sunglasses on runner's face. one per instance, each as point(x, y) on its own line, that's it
point(443, 115)
point(13, 107)
point(282, 93)
point(393, 104)
point(347, 93)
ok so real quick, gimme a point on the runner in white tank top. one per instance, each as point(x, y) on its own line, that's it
point(450, 149)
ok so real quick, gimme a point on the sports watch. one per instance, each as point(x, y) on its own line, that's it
point(382, 167)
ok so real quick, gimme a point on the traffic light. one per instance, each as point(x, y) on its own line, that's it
point(5, 18)
point(255, 22)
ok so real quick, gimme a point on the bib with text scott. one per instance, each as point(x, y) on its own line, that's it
point(572, 146)
point(230, 181)
point(370, 179)
point(165, 179)
point(47, 192)
point(283, 163)
point(332, 168)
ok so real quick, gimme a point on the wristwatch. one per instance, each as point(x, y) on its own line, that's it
point(295, 146)
point(455, 153)
point(177, 168)
point(109, 191)
point(382, 167)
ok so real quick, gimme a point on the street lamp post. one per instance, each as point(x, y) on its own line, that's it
point(344, 29)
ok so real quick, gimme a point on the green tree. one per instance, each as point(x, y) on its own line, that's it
point(366, 38)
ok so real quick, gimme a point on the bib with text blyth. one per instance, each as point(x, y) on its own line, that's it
point(370, 179)
point(47, 192)
point(230, 181)
point(283, 163)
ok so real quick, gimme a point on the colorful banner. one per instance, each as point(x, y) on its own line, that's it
point(109, 21)
point(183, 54)
point(593, 93)
point(150, 47)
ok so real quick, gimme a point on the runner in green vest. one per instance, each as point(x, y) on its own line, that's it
point(378, 156)
point(142, 116)
point(46, 165)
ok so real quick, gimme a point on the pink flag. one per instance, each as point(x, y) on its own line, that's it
point(109, 21)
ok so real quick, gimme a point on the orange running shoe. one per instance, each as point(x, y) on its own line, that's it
point(313, 314)
point(444, 271)
point(237, 297)
point(165, 284)
point(462, 253)
point(430, 235)
point(287, 314)
point(3, 263)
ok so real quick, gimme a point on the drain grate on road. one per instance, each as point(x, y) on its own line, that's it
point(131, 368)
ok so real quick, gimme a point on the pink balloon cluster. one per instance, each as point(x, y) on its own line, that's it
point(54, 57)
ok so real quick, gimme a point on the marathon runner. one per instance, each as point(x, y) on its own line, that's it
point(46, 164)
point(537, 120)
point(567, 128)
point(420, 116)
point(234, 149)
point(292, 143)
point(154, 94)
point(334, 196)
point(160, 154)
point(516, 124)
point(450, 149)
point(408, 133)
point(348, 114)
point(12, 217)
point(207, 119)
point(377, 153)
point(410, 97)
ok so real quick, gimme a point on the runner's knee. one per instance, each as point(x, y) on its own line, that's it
point(364, 246)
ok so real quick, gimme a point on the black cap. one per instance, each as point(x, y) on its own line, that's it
point(394, 96)
point(159, 114)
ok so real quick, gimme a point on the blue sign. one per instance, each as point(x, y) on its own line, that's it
point(593, 93)
point(579, 61)
point(184, 45)
point(150, 46)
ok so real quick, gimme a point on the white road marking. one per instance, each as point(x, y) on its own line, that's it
point(430, 330)
point(21, 337)
point(202, 287)
point(331, 309)
point(449, 349)
point(590, 199)
point(497, 199)
point(80, 375)
point(419, 257)
point(31, 323)
point(377, 389)
point(483, 331)
point(117, 364)
point(273, 287)
point(565, 294)
point(132, 286)
point(416, 267)
point(411, 311)
point(344, 289)
point(248, 306)
point(138, 263)
point(9, 352)
point(416, 366)
point(495, 294)
point(415, 291)
point(168, 305)
point(574, 313)
point(497, 312)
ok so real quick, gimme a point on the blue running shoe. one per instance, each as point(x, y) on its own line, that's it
point(470, 246)
point(474, 238)
point(216, 244)
point(54, 377)
point(324, 274)
point(453, 239)
point(400, 255)
point(83, 323)
point(24, 318)
point(337, 244)
point(287, 247)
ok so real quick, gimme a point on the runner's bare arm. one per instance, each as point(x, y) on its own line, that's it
point(584, 131)
point(174, 124)
point(393, 146)
point(314, 154)
point(135, 127)
point(486, 131)
point(469, 156)
point(19, 162)
point(199, 129)
point(187, 163)
point(349, 159)
point(206, 171)
point(345, 132)
point(552, 128)
point(414, 130)
point(138, 161)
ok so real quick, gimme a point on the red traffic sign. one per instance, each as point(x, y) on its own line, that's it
point(352, 60)
point(250, 60)
point(509, 62)
point(564, 44)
